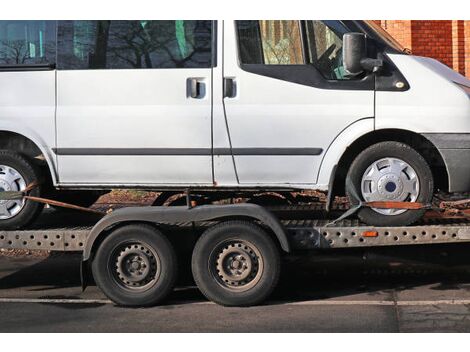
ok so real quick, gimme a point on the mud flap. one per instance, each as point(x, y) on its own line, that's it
point(84, 274)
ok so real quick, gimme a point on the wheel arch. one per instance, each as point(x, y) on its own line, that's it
point(28, 145)
point(415, 140)
point(177, 214)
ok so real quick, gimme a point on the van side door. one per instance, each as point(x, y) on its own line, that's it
point(134, 103)
point(289, 97)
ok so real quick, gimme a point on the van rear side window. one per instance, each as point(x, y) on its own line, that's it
point(27, 42)
point(134, 44)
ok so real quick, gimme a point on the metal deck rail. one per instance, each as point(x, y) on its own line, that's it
point(68, 231)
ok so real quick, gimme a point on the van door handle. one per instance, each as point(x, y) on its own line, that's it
point(230, 88)
point(195, 88)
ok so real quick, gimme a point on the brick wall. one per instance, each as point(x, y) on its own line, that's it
point(446, 40)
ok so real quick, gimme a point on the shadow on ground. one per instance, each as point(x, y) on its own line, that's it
point(305, 277)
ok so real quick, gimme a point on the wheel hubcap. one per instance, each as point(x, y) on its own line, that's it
point(236, 265)
point(11, 180)
point(136, 266)
point(390, 179)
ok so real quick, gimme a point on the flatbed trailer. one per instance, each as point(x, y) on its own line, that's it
point(239, 260)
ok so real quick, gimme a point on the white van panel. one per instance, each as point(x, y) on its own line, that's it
point(27, 107)
point(141, 111)
point(432, 104)
point(113, 169)
point(276, 169)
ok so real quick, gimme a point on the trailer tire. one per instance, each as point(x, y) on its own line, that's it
point(393, 156)
point(236, 263)
point(26, 173)
point(135, 265)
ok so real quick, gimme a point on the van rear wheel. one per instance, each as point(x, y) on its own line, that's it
point(236, 263)
point(390, 171)
point(16, 173)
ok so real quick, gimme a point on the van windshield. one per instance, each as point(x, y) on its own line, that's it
point(385, 36)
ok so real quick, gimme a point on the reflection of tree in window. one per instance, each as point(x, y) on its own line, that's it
point(26, 42)
point(281, 42)
point(140, 44)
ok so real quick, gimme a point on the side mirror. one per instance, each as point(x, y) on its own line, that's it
point(354, 52)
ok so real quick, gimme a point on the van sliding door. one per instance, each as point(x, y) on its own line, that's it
point(134, 102)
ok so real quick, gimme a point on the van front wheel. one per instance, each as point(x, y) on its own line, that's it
point(394, 172)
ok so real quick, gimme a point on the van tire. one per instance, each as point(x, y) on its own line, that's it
point(396, 150)
point(30, 173)
point(255, 250)
point(156, 260)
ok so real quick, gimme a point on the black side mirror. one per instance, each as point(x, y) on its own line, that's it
point(354, 51)
point(355, 58)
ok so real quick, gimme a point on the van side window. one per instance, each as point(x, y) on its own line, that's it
point(316, 43)
point(270, 42)
point(27, 42)
point(134, 44)
point(325, 47)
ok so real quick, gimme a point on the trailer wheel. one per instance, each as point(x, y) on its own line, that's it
point(390, 171)
point(236, 263)
point(16, 173)
point(135, 265)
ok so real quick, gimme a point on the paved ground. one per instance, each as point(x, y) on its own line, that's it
point(427, 289)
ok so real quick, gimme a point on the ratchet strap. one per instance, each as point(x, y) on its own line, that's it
point(20, 195)
point(358, 204)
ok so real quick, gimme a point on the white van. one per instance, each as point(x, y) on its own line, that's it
point(223, 105)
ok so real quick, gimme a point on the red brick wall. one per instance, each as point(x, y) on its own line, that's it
point(400, 30)
point(446, 40)
point(467, 47)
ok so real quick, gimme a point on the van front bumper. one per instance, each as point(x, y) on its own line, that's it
point(455, 151)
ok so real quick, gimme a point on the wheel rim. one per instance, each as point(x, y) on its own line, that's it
point(135, 266)
point(11, 180)
point(390, 179)
point(236, 265)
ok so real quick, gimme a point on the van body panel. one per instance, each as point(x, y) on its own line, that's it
point(127, 111)
point(433, 104)
point(27, 107)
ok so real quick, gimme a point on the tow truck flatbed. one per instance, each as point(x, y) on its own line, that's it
point(62, 231)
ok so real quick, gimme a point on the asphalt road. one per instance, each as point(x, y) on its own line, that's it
point(358, 292)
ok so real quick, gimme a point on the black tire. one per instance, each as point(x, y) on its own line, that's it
point(114, 246)
point(30, 173)
point(226, 236)
point(390, 150)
